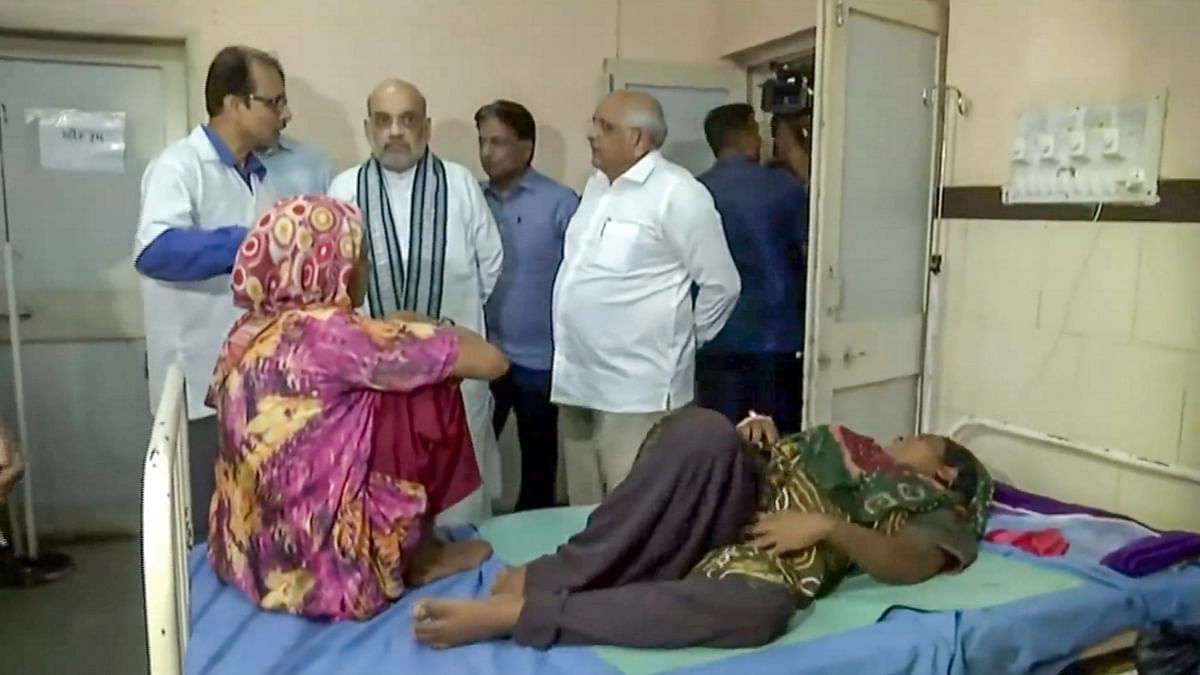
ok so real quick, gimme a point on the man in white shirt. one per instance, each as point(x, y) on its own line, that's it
point(434, 249)
point(625, 325)
point(199, 196)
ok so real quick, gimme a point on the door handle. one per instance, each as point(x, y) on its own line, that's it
point(22, 315)
point(823, 360)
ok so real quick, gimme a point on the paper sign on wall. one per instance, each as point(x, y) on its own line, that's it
point(78, 140)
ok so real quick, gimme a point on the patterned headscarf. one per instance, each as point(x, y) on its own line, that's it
point(301, 254)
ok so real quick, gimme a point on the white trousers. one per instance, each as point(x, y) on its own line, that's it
point(599, 449)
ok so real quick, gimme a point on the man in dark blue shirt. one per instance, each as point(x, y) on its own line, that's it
point(754, 363)
point(532, 212)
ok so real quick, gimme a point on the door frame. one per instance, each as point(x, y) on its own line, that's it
point(720, 75)
point(825, 203)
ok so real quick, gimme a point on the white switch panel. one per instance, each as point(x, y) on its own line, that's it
point(1091, 154)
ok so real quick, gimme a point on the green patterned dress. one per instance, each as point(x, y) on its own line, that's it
point(833, 471)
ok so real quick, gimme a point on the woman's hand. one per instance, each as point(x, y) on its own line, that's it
point(758, 429)
point(789, 532)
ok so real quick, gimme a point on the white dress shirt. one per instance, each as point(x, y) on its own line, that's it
point(474, 258)
point(189, 186)
point(625, 328)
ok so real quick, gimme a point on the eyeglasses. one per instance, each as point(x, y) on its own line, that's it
point(407, 120)
point(277, 104)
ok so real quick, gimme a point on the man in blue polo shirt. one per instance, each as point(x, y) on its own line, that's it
point(754, 362)
point(532, 212)
point(199, 196)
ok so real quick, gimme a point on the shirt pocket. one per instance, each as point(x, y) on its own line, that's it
point(617, 247)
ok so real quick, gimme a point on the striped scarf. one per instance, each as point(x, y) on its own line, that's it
point(398, 284)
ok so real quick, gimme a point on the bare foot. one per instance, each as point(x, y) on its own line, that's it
point(440, 559)
point(442, 624)
point(510, 581)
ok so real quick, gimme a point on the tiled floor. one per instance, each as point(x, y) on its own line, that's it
point(90, 623)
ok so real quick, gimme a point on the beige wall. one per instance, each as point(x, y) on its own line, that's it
point(1086, 330)
point(746, 24)
point(1013, 55)
point(463, 53)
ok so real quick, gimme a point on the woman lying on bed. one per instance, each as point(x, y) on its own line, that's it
point(323, 504)
point(709, 544)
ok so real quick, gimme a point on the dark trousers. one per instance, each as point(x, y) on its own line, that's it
point(527, 392)
point(202, 466)
point(626, 579)
point(769, 384)
point(10, 570)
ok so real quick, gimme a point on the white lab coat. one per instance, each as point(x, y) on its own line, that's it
point(474, 257)
point(625, 328)
point(188, 186)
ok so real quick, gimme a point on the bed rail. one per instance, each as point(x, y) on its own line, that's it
point(167, 530)
point(1175, 471)
point(1125, 639)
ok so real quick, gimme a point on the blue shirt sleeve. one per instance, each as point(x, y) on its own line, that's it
point(564, 211)
point(191, 254)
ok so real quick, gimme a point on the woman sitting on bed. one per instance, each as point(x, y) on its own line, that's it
point(710, 544)
point(323, 504)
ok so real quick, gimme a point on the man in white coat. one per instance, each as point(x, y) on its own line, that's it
point(434, 249)
point(198, 197)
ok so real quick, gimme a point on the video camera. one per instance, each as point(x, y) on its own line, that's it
point(789, 91)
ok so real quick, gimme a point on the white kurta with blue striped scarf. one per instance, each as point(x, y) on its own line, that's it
point(472, 265)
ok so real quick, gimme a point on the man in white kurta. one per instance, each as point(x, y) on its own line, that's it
point(459, 258)
point(626, 326)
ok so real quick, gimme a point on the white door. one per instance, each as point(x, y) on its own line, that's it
point(83, 345)
point(875, 136)
point(686, 93)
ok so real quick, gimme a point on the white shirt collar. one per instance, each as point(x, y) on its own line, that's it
point(641, 169)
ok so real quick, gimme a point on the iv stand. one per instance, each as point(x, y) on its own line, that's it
point(37, 567)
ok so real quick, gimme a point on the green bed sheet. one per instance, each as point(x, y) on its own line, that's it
point(858, 602)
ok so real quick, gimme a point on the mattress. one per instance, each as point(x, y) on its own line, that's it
point(1008, 613)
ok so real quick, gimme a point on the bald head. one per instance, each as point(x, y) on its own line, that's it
point(399, 91)
point(397, 124)
point(641, 111)
point(627, 126)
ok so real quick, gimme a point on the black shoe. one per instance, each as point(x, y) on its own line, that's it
point(27, 573)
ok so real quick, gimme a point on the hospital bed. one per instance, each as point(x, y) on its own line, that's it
point(1009, 613)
